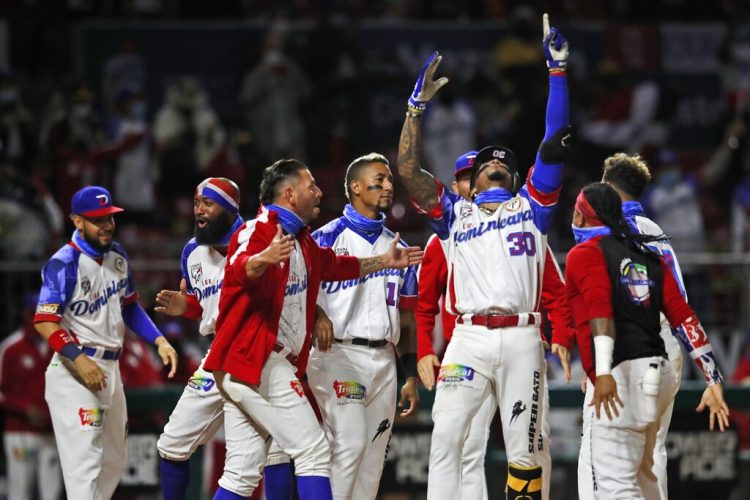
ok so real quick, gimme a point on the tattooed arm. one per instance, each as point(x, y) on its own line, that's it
point(421, 184)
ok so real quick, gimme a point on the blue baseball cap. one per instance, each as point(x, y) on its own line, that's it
point(464, 163)
point(93, 201)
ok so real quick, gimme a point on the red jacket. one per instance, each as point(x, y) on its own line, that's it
point(433, 277)
point(24, 357)
point(590, 295)
point(250, 309)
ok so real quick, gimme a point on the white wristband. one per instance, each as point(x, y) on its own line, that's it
point(603, 348)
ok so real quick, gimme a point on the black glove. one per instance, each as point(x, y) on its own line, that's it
point(555, 150)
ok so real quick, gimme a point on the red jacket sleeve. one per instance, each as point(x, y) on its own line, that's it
point(249, 240)
point(587, 270)
point(337, 267)
point(673, 303)
point(555, 301)
point(433, 277)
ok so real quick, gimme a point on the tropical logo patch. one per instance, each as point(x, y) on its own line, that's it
point(455, 373)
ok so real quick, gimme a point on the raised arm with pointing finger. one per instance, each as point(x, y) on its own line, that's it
point(495, 246)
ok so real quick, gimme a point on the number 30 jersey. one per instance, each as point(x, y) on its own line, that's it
point(495, 260)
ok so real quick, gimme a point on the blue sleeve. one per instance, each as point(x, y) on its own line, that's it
point(184, 266)
point(441, 217)
point(409, 288)
point(138, 321)
point(58, 285)
point(326, 235)
point(548, 178)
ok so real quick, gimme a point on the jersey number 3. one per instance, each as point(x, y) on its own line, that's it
point(523, 243)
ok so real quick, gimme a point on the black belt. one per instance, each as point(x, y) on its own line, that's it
point(364, 342)
point(108, 355)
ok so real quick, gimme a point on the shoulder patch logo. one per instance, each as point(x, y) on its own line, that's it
point(513, 205)
point(634, 277)
point(120, 265)
point(85, 285)
point(341, 251)
point(196, 271)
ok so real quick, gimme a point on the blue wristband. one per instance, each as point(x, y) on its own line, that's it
point(71, 351)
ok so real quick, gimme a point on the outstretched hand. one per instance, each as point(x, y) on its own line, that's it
point(172, 302)
point(713, 398)
point(280, 249)
point(555, 45)
point(426, 88)
point(400, 257)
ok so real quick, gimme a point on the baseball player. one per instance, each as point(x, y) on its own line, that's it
point(201, 411)
point(32, 462)
point(87, 299)
point(352, 369)
point(433, 274)
point(617, 284)
point(629, 176)
point(495, 251)
point(266, 311)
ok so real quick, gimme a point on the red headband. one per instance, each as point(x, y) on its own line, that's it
point(589, 214)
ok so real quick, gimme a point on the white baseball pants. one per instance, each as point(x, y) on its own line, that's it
point(473, 481)
point(33, 466)
point(90, 429)
point(355, 387)
point(477, 362)
point(278, 407)
point(197, 418)
point(612, 451)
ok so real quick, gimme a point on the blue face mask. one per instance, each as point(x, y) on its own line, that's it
point(582, 234)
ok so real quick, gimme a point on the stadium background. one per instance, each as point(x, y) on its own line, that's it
point(225, 88)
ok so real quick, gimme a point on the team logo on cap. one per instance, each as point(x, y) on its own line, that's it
point(103, 199)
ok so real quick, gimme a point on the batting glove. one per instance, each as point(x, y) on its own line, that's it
point(426, 87)
point(555, 46)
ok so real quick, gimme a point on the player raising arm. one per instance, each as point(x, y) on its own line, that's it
point(496, 250)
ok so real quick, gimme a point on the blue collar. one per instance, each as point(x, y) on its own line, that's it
point(583, 234)
point(367, 228)
point(493, 195)
point(290, 222)
point(632, 208)
point(85, 247)
point(223, 242)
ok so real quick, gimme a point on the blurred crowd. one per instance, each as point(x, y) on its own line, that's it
point(301, 94)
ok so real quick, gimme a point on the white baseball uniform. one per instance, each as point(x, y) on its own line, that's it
point(636, 218)
point(86, 296)
point(355, 381)
point(201, 410)
point(495, 267)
